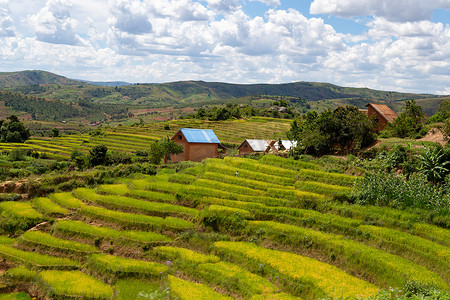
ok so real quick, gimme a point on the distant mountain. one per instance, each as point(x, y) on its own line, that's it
point(303, 95)
point(107, 83)
point(25, 78)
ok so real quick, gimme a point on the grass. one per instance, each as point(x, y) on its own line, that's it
point(79, 228)
point(132, 204)
point(35, 260)
point(125, 267)
point(311, 277)
point(66, 200)
point(386, 269)
point(186, 290)
point(124, 190)
point(326, 177)
point(136, 220)
point(185, 255)
point(20, 210)
point(49, 208)
point(20, 274)
point(73, 284)
point(131, 288)
point(234, 278)
point(322, 188)
point(48, 241)
point(291, 164)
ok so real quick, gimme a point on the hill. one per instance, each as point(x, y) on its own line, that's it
point(192, 94)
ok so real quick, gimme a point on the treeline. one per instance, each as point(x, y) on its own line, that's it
point(56, 110)
point(236, 111)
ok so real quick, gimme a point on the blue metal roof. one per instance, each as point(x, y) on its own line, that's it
point(200, 136)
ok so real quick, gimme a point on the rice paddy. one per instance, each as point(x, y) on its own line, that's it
point(274, 232)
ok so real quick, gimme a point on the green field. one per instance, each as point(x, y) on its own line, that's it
point(275, 232)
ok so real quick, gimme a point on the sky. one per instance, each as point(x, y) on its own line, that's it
point(395, 45)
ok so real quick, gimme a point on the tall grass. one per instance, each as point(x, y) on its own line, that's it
point(186, 290)
point(234, 278)
point(125, 267)
point(48, 241)
point(385, 268)
point(136, 220)
point(124, 190)
point(78, 228)
point(185, 255)
point(310, 277)
point(326, 177)
point(285, 163)
point(322, 188)
point(66, 200)
point(35, 260)
point(73, 284)
point(47, 207)
point(16, 216)
point(131, 204)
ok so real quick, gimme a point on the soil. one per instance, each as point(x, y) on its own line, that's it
point(434, 135)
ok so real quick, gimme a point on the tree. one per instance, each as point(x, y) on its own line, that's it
point(345, 128)
point(13, 131)
point(55, 132)
point(97, 155)
point(163, 149)
point(410, 121)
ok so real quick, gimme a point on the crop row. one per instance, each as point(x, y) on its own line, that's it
point(386, 269)
point(36, 260)
point(309, 277)
point(49, 208)
point(136, 220)
point(132, 204)
point(124, 190)
point(48, 241)
point(78, 228)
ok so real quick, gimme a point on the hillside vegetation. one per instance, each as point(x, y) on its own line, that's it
point(198, 93)
point(274, 232)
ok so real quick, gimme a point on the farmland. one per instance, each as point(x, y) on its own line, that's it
point(131, 139)
point(282, 229)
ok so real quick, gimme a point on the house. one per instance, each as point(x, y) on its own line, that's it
point(265, 146)
point(198, 144)
point(253, 146)
point(382, 114)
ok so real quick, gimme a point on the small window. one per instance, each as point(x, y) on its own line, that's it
point(180, 137)
point(245, 146)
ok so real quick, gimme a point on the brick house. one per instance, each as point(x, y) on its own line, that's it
point(198, 144)
point(382, 114)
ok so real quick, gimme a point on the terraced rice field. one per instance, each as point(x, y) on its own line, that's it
point(131, 139)
point(274, 232)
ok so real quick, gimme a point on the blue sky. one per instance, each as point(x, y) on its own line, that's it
point(401, 45)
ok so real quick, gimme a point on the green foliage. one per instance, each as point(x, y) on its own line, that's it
point(163, 149)
point(20, 274)
point(17, 216)
point(432, 164)
point(225, 219)
point(35, 260)
point(125, 267)
point(13, 131)
point(390, 190)
point(73, 284)
point(345, 128)
point(48, 241)
point(185, 255)
point(47, 207)
point(80, 229)
point(187, 290)
point(410, 122)
point(97, 155)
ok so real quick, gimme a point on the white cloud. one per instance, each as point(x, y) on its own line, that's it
point(224, 6)
point(6, 21)
point(130, 16)
point(398, 10)
point(53, 23)
point(268, 2)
